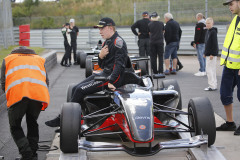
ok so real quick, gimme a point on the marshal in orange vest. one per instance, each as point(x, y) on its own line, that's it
point(25, 76)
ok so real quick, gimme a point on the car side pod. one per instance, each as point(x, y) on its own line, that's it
point(196, 141)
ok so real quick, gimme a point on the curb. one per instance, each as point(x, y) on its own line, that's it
point(51, 61)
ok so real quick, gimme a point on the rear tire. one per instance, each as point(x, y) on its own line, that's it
point(168, 82)
point(83, 57)
point(70, 125)
point(202, 118)
point(69, 91)
point(89, 66)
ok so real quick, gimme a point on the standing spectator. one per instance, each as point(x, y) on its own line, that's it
point(156, 29)
point(172, 37)
point(231, 73)
point(199, 44)
point(211, 52)
point(74, 33)
point(25, 82)
point(67, 45)
point(143, 34)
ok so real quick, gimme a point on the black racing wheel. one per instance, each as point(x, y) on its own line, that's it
point(201, 118)
point(70, 125)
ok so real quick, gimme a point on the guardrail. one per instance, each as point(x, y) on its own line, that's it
point(87, 38)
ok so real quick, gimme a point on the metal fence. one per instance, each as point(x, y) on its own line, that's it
point(185, 11)
point(6, 24)
point(53, 39)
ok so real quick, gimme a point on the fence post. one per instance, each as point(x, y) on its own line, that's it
point(42, 38)
point(89, 37)
point(135, 17)
point(169, 6)
point(206, 8)
point(135, 12)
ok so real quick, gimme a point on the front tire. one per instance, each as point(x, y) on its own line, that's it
point(78, 56)
point(89, 66)
point(201, 118)
point(83, 57)
point(69, 91)
point(70, 125)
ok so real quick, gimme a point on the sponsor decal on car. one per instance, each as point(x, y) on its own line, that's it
point(142, 127)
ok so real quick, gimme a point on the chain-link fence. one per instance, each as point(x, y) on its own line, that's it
point(81, 20)
point(6, 24)
point(184, 11)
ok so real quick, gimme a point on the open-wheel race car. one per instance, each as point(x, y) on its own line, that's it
point(135, 113)
point(82, 55)
point(141, 65)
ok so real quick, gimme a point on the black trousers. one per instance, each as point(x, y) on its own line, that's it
point(144, 47)
point(90, 86)
point(157, 50)
point(67, 54)
point(74, 50)
point(31, 109)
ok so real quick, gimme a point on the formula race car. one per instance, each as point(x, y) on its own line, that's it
point(135, 113)
point(82, 56)
point(141, 65)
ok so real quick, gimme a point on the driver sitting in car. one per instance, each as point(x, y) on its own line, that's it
point(112, 59)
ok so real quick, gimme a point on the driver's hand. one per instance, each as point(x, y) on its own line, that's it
point(104, 52)
point(111, 86)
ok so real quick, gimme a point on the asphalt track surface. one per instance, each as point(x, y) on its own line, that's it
point(60, 77)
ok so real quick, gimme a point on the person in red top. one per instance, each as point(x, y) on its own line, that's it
point(199, 43)
point(25, 83)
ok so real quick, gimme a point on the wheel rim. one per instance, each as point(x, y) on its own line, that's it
point(191, 121)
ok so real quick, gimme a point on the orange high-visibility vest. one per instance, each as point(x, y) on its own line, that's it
point(25, 76)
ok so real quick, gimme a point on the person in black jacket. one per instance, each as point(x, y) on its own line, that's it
point(156, 29)
point(211, 52)
point(112, 59)
point(172, 37)
point(199, 44)
point(74, 33)
point(143, 34)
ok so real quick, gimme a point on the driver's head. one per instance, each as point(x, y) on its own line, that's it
point(106, 27)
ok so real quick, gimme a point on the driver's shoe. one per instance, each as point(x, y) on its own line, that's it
point(54, 122)
point(228, 126)
point(237, 132)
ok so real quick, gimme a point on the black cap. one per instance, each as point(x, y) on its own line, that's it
point(227, 2)
point(67, 24)
point(105, 22)
point(154, 14)
point(145, 13)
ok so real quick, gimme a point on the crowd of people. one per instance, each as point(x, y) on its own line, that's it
point(152, 32)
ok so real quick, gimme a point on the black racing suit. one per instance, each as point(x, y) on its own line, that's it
point(74, 34)
point(113, 66)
